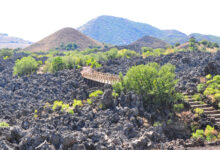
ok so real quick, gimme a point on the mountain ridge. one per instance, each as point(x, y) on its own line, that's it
point(121, 31)
point(7, 41)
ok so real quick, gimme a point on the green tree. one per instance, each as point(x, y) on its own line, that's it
point(215, 45)
point(204, 42)
point(154, 83)
point(192, 44)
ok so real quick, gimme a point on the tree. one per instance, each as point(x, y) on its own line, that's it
point(192, 44)
point(204, 42)
point(155, 84)
point(215, 45)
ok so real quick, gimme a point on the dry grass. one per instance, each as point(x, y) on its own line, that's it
point(65, 36)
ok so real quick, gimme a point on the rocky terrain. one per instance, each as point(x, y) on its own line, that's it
point(124, 124)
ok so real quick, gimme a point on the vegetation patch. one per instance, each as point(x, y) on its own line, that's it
point(178, 107)
point(210, 134)
point(155, 83)
point(25, 66)
point(95, 93)
point(4, 125)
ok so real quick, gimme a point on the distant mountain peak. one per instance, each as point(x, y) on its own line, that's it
point(12, 42)
point(121, 31)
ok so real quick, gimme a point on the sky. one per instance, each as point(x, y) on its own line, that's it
point(35, 19)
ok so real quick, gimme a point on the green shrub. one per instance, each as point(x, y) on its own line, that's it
point(5, 58)
point(213, 87)
point(146, 49)
point(69, 62)
point(157, 123)
point(25, 66)
point(65, 107)
point(114, 94)
point(200, 87)
point(155, 53)
point(197, 97)
point(93, 63)
point(57, 64)
point(95, 93)
point(4, 124)
point(209, 91)
point(178, 107)
point(217, 96)
point(35, 113)
point(77, 103)
point(71, 112)
point(198, 134)
point(89, 101)
point(210, 133)
point(112, 53)
point(154, 83)
point(126, 53)
point(198, 111)
point(209, 76)
point(57, 104)
point(6, 53)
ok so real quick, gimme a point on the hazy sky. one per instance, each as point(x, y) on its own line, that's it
point(34, 19)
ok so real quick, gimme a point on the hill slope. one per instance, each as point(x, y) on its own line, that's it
point(120, 31)
point(145, 41)
point(12, 42)
point(65, 36)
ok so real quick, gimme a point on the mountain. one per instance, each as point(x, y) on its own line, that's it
point(200, 37)
point(64, 36)
point(145, 41)
point(12, 42)
point(120, 31)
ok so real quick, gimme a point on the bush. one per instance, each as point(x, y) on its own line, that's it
point(54, 64)
point(198, 111)
point(178, 107)
point(197, 97)
point(95, 93)
point(4, 124)
point(126, 53)
point(210, 134)
point(6, 52)
point(77, 103)
point(217, 96)
point(25, 66)
point(200, 87)
point(154, 83)
point(209, 76)
point(57, 64)
point(198, 134)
